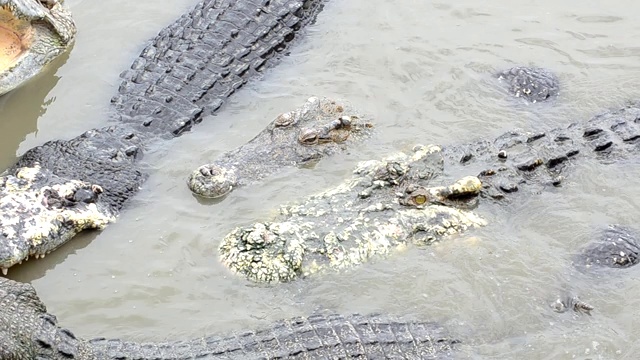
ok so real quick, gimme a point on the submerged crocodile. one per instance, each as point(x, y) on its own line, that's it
point(60, 188)
point(28, 331)
point(319, 128)
point(531, 83)
point(615, 247)
point(397, 201)
point(32, 34)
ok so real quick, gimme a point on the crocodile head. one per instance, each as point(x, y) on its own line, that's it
point(32, 34)
point(385, 206)
point(301, 137)
point(40, 211)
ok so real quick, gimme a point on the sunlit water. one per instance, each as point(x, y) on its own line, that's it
point(423, 71)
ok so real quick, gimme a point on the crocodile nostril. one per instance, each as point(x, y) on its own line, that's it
point(131, 151)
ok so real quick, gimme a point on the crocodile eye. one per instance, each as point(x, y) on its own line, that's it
point(308, 137)
point(420, 199)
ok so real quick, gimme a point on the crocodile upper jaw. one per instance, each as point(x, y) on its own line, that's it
point(32, 34)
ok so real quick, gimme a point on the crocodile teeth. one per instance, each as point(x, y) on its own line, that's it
point(5, 271)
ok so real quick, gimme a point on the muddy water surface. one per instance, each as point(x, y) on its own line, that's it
point(423, 71)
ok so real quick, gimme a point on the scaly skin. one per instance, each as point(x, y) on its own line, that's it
point(32, 34)
point(531, 84)
point(196, 63)
point(617, 247)
point(28, 331)
point(319, 128)
point(520, 161)
point(45, 200)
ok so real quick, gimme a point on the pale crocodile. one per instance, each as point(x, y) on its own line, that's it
point(384, 206)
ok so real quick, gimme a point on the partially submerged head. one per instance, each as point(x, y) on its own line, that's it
point(40, 211)
point(212, 181)
point(32, 34)
point(531, 83)
point(301, 137)
point(616, 247)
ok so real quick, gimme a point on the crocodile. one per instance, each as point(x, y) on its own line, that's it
point(614, 247)
point(32, 34)
point(28, 331)
point(301, 137)
point(385, 204)
point(531, 83)
point(182, 76)
point(408, 198)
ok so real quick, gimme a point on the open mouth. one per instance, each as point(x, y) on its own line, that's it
point(16, 35)
point(32, 34)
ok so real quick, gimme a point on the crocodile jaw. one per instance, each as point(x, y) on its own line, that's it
point(32, 34)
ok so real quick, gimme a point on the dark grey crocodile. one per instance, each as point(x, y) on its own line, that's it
point(196, 63)
point(184, 74)
point(400, 200)
point(535, 160)
point(615, 247)
point(531, 83)
point(28, 331)
point(318, 128)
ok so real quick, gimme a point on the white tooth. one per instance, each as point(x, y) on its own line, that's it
point(42, 256)
point(5, 271)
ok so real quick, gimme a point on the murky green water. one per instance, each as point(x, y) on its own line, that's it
point(423, 71)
